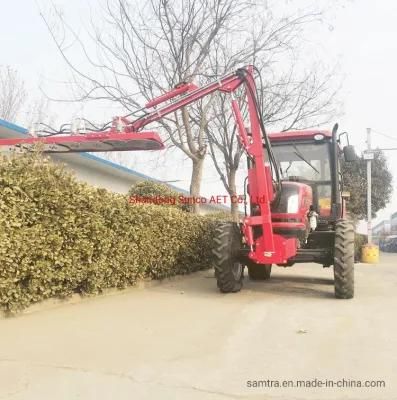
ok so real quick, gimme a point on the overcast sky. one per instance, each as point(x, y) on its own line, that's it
point(360, 35)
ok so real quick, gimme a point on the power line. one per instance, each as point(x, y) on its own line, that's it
point(384, 134)
point(385, 149)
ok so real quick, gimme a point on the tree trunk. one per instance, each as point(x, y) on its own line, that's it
point(195, 182)
point(234, 211)
point(233, 194)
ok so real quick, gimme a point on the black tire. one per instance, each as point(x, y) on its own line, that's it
point(229, 272)
point(259, 272)
point(344, 260)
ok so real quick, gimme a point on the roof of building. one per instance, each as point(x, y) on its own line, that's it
point(381, 224)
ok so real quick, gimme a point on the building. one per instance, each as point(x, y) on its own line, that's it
point(382, 229)
point(393, 223)
point(97, 171)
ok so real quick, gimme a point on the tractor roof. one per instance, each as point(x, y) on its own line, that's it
point(297, 135)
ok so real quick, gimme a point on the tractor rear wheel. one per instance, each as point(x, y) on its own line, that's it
point(344, 260)
point(229, 271)
point(259, 272)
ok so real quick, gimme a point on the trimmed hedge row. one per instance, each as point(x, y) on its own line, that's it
point(59, 236)
point(147, 188)
point(158, 194)
point(359, 241)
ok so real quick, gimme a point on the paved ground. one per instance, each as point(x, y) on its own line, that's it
point(184, 340)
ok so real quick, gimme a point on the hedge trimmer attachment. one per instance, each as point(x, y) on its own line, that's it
point(120, 134)
point(114, 136)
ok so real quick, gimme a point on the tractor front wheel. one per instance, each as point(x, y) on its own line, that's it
point(344, 260)
point(259, 272)
point(229, 271)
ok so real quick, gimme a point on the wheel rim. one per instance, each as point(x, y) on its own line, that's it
point(237, 270)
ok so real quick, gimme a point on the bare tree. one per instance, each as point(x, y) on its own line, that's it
point(145, 48)
point(289, 97)
point(37, 110)
point(225, 149)
point(12, 93)
point(151, 48)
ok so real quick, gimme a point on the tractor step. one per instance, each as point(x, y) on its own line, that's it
point(312, 255)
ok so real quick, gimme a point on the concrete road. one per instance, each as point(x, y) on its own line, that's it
point(184, 340)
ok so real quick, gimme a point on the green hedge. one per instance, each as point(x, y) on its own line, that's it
point(359, 241)
point(59, 236)
point(153, 191)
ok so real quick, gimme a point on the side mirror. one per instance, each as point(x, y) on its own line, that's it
point(349, 153)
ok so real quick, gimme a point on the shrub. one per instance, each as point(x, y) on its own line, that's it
point(221, 216)
point(359, 241)
point(158, 193)
point(59, 236)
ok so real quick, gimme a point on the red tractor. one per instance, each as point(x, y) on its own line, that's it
point(296, 211)
point(308, 215)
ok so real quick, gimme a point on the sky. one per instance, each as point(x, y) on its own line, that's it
point(358, 35)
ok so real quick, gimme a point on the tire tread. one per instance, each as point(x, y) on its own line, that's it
point(227, 242)
point(344, 260)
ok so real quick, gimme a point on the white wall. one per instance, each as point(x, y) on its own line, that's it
point(98, 174)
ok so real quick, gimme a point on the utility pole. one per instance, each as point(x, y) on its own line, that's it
point(369, 187)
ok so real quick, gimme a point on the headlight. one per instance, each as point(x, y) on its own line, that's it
point(292, 207)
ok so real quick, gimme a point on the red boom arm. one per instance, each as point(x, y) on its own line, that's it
point(267, 247)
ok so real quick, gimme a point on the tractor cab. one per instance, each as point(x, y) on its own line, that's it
point(309, 157)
